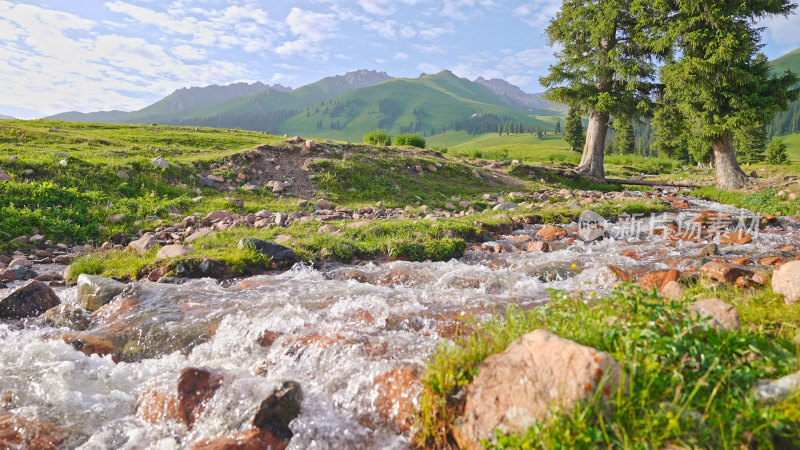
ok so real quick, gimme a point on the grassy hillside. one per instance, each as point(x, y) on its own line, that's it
point(792, 142)
point(524, 147)
point(424, 105)
point(789, 61)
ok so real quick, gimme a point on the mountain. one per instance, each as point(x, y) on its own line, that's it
point(98, 116)
point(427, 105)
point(514, 96)
point(4, 117)
point(789, 61)
point(341, 84)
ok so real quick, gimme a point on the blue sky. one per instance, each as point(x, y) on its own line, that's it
point(87, 55)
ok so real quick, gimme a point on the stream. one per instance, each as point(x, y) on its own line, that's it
point(334, 330)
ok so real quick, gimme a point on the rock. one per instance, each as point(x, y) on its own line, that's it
point(122, 175)
point(24, 262)
point(160, 163)
point(672, 290)
point(66, 315)
point(709, 250)
point(173, 251)
point(158, 404)
point(29, 300)
point(87, 343)
point(19, 431)
point(237, 202)
point(277, 186)
point(324, 204)
point(93, 291)
point(551, 232)
point(724, 272)
point(195, 386)
point(505, 206)
point(216, 216)
point(329, 229)
point(735, 237)
point(658, 279)
point(517, 388)
point(7, 275)
point(398, 390)
point(774, 391)
point(275, 251)
point(359, 224)
point(242, 440)
point(281, 238)
point(279, 409)
point(786, 281)
point(724, 316)
point(4, 176)
point(144, 243)
point(538, 246)
point(117, 218)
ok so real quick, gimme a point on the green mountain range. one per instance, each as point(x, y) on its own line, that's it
point(346, 107)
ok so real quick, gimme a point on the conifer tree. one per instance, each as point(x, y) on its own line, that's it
point(558, 127)
point(719, 80)
point(602, 68)
point(573, 130)
point(776, 152)
point(624, 142)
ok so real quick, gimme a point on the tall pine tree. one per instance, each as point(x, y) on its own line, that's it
point(624, 142)
point(602, 68)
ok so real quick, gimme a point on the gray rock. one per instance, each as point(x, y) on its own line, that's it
point(172, 251)
point(22, 272)
point(160, 163)
point(777, 390)
point(94, 292)
point(4, 176)
point(275, 251)
point(29, 300)
point(144, 243)
point(506, 207)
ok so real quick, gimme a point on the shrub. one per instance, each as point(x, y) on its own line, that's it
point(378, 137)
point(413, 140)
point(776, 152)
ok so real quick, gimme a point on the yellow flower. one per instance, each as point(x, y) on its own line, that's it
point(574, 266)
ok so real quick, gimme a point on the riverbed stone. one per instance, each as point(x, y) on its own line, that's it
point(28, 300)
point(724, 316)
point(254, 439)
point(538, 247)
point(672, 290)
point(22, 272)
point(173, 251)
point(786, 281)
point(86, 343)
point(398, 390)
point(551, 232)
point(24, 262)
point(195, 387)
point(736, 237)
point(278, 410)
point(94, 291)
point(277, 252)
point(724, 272)
point(517, 388)
point(19, 431)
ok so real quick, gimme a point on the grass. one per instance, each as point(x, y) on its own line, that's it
point(763, 202)
point(414, 240)
point(688, 384)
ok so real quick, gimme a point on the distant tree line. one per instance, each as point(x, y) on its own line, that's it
point(268, 121)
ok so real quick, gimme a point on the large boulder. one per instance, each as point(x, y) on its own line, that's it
point(724, 272)
point(517, 388)
point(723, 316)
point(398, 390)
point(29, 431)
point(28, 300)
point(94, 292)
point(22, 272)
point(275, 251)
point(786, 281)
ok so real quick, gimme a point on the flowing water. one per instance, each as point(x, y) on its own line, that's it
point(333, 330)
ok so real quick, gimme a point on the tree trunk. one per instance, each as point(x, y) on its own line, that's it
point(729, 174)
point(592, 160)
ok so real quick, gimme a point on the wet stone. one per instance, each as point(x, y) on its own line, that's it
point(278, 410)
point(29, 300)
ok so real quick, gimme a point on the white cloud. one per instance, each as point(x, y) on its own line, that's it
point(400, 56)
point(189, 52)
point(430, 49)
point(430, 32)
point(429, 68)
point(782, 32)
point(311, 29)
point(464, 9)
point(537, 14)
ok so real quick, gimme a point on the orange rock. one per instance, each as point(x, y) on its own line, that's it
point(770, 260)
point(397, 393)
point(521, 238)
point(256, 282)
point(158, 404)
point(632, 254)
point(267, 338)
point(743, 261)
point(244, 440)
point(30, 432)
point(87, 343)
point(736, 237)
point(621, 274)
point(542, 247)
point(568, 240)
point(551, 232)
point(658, 279)
point(362, 315)
point(195, 386)
point(724, 272)
point(320, 340)
point(114, 313)
point(760, 278)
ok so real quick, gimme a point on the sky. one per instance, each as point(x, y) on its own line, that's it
point(87, 55)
